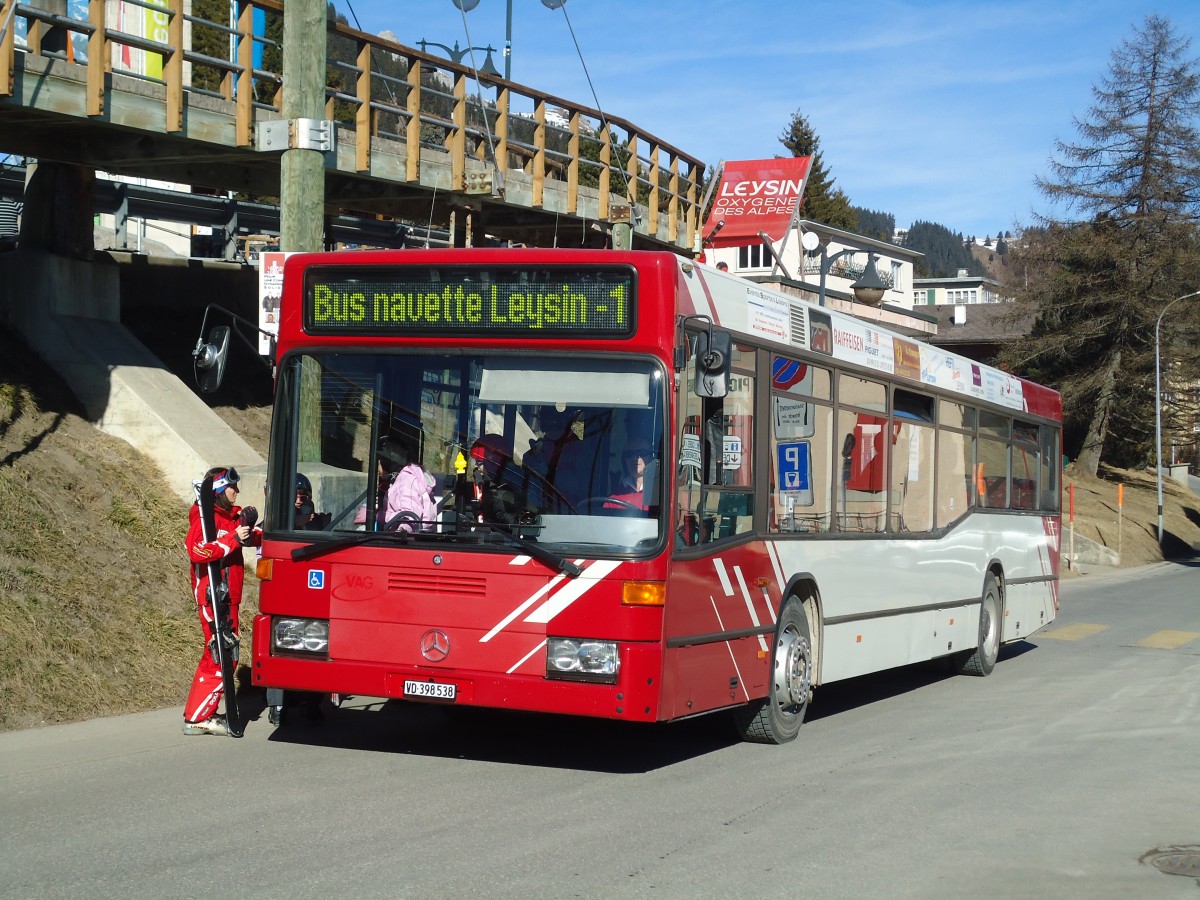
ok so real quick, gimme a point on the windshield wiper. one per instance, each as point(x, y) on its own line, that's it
point(534, 551)
point(529, 548)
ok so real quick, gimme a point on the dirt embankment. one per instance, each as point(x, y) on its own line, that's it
point(1120, 511)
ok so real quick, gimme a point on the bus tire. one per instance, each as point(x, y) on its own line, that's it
point(776, 718)
point(982, 659)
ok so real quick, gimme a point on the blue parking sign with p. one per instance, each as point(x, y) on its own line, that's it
point(793, 466)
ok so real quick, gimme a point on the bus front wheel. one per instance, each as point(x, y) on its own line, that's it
point(982, 659)
point(776, 719)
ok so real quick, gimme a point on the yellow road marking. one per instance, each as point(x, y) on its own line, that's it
point(1076, 632)
point(1168, 640)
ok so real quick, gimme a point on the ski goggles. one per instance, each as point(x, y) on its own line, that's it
point(225, 479)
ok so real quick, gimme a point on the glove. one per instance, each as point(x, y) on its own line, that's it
point(249, 516)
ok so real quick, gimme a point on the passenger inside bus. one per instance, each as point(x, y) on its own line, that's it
point(306, 517)
point(411, 504)
point(630, 491)
point(497, 484)
point(544, 458)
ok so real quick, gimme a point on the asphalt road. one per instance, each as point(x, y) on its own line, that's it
point(1053, 777)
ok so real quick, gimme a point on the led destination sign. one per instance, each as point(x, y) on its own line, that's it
point(539, 303)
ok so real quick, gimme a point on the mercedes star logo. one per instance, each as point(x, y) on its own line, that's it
point(435, 645)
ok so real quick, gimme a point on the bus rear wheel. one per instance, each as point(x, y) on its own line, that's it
point(982, 659)
point(777, 718)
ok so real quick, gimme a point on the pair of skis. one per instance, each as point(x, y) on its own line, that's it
point(225, 642)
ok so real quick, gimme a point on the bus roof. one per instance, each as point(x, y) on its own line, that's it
point(761, 312)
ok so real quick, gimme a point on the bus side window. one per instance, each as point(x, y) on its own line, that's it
point(801, 441)
point(1050, 468)
point(1025, 464)
point(716, 480)
point(689, 477)
point(991, 473)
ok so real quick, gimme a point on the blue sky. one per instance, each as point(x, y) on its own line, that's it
point(938, 111)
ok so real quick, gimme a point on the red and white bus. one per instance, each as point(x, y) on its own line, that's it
point(724, 496)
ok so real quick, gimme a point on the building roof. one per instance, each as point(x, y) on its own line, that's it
point(984, 323)
point(956, 280)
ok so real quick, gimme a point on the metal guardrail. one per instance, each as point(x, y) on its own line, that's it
point(380, 89)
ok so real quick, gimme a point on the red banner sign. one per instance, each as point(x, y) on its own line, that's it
point(755, 195)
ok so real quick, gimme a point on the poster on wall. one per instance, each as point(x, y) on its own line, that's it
point(149, 19)
point(270, 295)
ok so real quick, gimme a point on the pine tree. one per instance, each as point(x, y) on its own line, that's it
point(944, 253)
point(822, 201)
point(874, 224)
point(1098, 282)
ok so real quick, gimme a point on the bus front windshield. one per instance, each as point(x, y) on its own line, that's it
point(564, 451)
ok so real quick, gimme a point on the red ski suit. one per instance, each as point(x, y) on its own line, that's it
point(205, 695)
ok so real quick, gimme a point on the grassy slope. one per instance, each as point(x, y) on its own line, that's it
point(96, 615)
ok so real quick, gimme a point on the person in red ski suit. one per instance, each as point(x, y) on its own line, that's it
point(200, 711)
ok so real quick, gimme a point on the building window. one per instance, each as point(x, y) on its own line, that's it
point(756, 256)
point(897, 282)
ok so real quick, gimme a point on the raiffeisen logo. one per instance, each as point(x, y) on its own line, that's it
point(847, 339)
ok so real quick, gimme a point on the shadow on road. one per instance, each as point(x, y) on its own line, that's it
point(516, 738)
point(854, 693)
point(560, 742)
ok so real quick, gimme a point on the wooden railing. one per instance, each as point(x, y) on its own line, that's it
point(489, 128)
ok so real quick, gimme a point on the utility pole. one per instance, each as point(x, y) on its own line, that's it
point(302, 172)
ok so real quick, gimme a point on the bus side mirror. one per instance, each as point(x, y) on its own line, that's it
point(713, 351)
point(209, 359)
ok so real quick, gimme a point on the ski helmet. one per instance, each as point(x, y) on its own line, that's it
point(224, 478)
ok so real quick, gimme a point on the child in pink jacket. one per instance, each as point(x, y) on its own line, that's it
point(411, 499)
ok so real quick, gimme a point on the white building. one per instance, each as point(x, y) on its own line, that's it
point(836, 260)
point(960, 290)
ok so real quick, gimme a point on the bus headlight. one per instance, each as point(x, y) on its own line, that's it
point(582, 659)
point(301, 636)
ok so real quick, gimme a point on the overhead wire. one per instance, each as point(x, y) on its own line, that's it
point(487, 125)
point(632, 195)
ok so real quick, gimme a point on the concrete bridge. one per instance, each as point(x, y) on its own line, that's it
point(415, 137)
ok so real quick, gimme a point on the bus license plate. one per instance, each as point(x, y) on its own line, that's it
point(430, 690)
